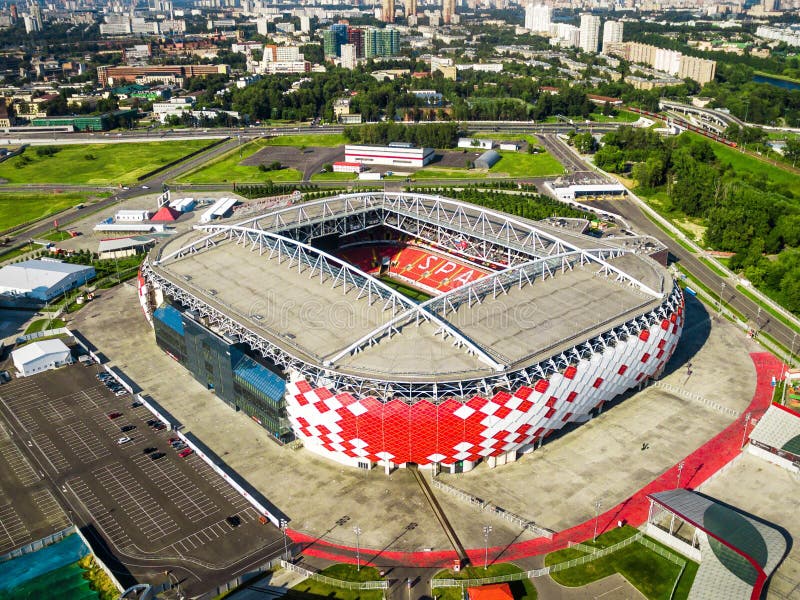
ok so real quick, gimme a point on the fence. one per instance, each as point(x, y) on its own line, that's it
point(484, 505)
point(38, 544)
point(348, 585)
point(696, 398)
point(46, 333)
point(241, 579)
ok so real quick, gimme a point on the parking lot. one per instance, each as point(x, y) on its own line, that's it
point(143, 497)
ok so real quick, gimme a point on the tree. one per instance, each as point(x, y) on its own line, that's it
point(792, 149)
point(585, 143)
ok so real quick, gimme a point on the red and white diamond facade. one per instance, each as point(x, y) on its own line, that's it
point(556, 324)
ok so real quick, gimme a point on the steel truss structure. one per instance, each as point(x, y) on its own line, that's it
point(272, 237)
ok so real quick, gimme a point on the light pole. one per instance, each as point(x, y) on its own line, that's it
point(284, 525)
point(170, 575)
point(597, 506)
point(680, 472)
point(357, 531)
point(744, 431)
point(721, 294)
point(487, 529)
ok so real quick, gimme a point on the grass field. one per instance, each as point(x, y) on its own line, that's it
point(16, 209)
point(521, 164)
point(622, 116)
point(434, 173)
point(407, 291)
point(227, 168)
point(42, 324)
point(651, 574)
point(309, 140)
point(97, 164)
point(744, 163)
point(522, 590)
point(345, 573)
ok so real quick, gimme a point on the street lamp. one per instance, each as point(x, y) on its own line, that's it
point(744, 431)
point(284, 525)
point(170, 575)
point(357, 531)
point(721, 294)
point(680, 471)
point(597, 506)
point(487, 529)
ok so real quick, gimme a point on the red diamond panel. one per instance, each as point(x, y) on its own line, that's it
point(622, 369)
point(597, 382)
point(541, 386)
point(572, 395)
point(570, 372)
point(645, 357)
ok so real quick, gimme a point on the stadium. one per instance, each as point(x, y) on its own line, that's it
point(395, 329)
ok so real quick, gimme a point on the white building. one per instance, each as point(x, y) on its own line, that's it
point(40, 356)
point(135, 215)
point(348, 167)
point(590, 33)
point(348, 54)
point(612, 33)
point(475, 143)
point(667, 61)
point(566, 35)
point(395, 155)
point(538, 17)
point(41, 280)
point(174, 106)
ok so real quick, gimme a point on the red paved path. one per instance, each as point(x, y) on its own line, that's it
point(698, 467)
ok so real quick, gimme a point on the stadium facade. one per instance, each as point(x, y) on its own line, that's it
point(520, 328)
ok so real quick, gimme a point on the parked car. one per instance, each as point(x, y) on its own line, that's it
point(233, 521)
point(136, 404)
point(127, 428)
point(121, 392)
point(123, 440)
point(114, 415)
point(152, 422)
point(157, 455)
point(159, 427)
point(149, 450)
point(185, 453)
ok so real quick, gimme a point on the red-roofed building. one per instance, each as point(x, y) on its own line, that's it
point(495, 591)
point(348, 167)
point(604, 100)
point(165, 213)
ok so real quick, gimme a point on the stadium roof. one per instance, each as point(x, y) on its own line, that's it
point(37, 274)
point(557, 290)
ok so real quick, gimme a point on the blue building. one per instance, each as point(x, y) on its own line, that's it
point(244, 382)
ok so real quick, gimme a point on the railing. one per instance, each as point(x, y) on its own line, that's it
point(487, 506)
point(696, 398)
point(38, 544)
point(348, 585)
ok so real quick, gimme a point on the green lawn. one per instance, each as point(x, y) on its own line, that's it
point(309, 140)
point(42, 324)
point(653, 575)
point(744, 163)
point(407, 291)
point(522, 164)
point(16, 209)
point(227, 168)
point(455, 173)
point(622, 116)
point(97, 164)
point(345, 573)
point(522, 590)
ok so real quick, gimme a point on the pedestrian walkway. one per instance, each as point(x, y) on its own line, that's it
point(697, 468)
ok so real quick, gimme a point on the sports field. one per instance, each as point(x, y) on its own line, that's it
point(407, 291)
point(16, 209)
point(97, 164)
point(227, 168)
point(522, 164)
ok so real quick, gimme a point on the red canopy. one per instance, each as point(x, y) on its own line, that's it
point(495, 591)
point(165, 213)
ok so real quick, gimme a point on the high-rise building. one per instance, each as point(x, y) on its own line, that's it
point(411, 8)
point(538, 17)
point(387, 13)
point(348, 56)
point(36, 15)
point(14, 13)
point(700, 70)
point(330, 43)
point(590, 33)
point(612, 33)
point(381, 42)
point(448, 10)
point(355, 37)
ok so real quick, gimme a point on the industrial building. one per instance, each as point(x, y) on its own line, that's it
point(487, 160)
point(40, 281)
point(393, 155)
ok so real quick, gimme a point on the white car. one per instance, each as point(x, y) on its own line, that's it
point(123, 440)
point(120, 393)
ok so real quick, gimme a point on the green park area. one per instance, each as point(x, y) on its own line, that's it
point(16, 209)
point(94, 164)
point(311, 588)
point(522, 164)
point(227, 167)
point(308, 140)
point(653, 575)
point(522, 590)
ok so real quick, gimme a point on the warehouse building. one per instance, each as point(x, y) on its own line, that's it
point(41, 356)
point(487, 160)
point(40, 281)
point(394, 155)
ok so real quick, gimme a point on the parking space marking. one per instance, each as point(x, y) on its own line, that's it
point(212, 532)
point(217, 482)
point(181, 491)
point(50, 452)
point(147, 514)
point(13, 532)
point(57, 412)
point(83, 443)
point(19, 464)
point(46, 503)
point(99, 513)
